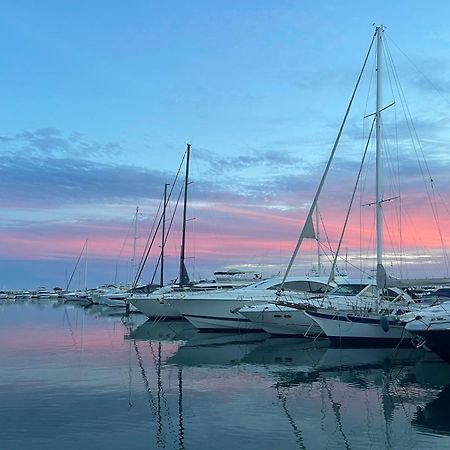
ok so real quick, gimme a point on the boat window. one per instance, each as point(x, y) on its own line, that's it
point(261, 284)
point(370, 291)
point(302, 286)
point(348, 289)
point(391, 295)
point(444, 292)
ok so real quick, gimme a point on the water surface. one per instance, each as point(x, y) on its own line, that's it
point(87, 378)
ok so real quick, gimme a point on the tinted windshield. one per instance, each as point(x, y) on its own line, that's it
point(445, 292)
point(302, 286)
point(442, 292)
point(348, 289)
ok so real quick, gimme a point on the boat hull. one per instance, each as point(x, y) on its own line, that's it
point(435, 336)
point(283, 322)
point(356, 331)
point(155, 308)
point(214, 314)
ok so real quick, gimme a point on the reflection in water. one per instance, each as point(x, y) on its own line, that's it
point(123, 382)
point(161, 402)
point(205, 349)
point(162, 330)
point(434, 416)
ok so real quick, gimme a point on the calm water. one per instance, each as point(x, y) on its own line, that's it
point(74, 378)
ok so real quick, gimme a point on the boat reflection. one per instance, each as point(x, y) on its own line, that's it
point(162, 331)
point(205, 349)
point(356, 395)
point(434, 417)
point(301, 353)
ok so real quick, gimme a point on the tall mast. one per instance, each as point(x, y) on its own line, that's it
point(86, 267)
point(379, 175)
point(133, 264)
point(319, 265)
point(307, 227)
point(183, 235)
point(163, 237)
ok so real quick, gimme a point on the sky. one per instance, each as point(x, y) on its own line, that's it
point(100, 98)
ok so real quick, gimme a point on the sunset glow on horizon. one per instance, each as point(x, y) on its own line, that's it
point(96, 118)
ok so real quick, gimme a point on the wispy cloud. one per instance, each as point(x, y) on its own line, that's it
point(38, 180)
point(51, 142)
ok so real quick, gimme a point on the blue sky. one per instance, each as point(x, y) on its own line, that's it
point(100, 98)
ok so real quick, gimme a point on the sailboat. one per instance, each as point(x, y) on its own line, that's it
point(79, 296)
point(244, 309)
point(153, 304)
point(291, 317)
point(381, 326)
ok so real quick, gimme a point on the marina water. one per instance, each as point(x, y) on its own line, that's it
point(91, 378)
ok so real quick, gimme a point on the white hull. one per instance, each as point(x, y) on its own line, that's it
point(220, 324)
point(153, 308)
point(344, 328)
point(114, 302)
point(219, 310)
point(285, 321)
point(215, 314)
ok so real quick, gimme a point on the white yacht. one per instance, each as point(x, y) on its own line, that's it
point(219, 310)
point(289, 318)
point(155, 304)
point(430, 327)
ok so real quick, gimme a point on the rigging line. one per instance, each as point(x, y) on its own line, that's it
point(389, 164)
point(359, 268)
point(336, 407)
point(397, 171)
point(416, 235)
point(444, 204)
point(297, 431)
point(325, 231)
point(362, 217)
point(166, 237)
point(439, 91)
point(151, 230)
point(145, 379)
point(391, 84)
point(367, 255)
point(72, 334)
point(351, 201)
point(411, 127)
point(398, 396)
point(76, 265)
point(161, 392)
point(144, 259)
point(391, 238)
point(431, 198)
point(150, 244)
point(408, 396)
point(439, 228)
point(125, 240)
point(407, 112)
point(362, 189)
point(327, 168)
point(159, 384)
point(438, 194)
point(372, 71)
point(180, 409)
